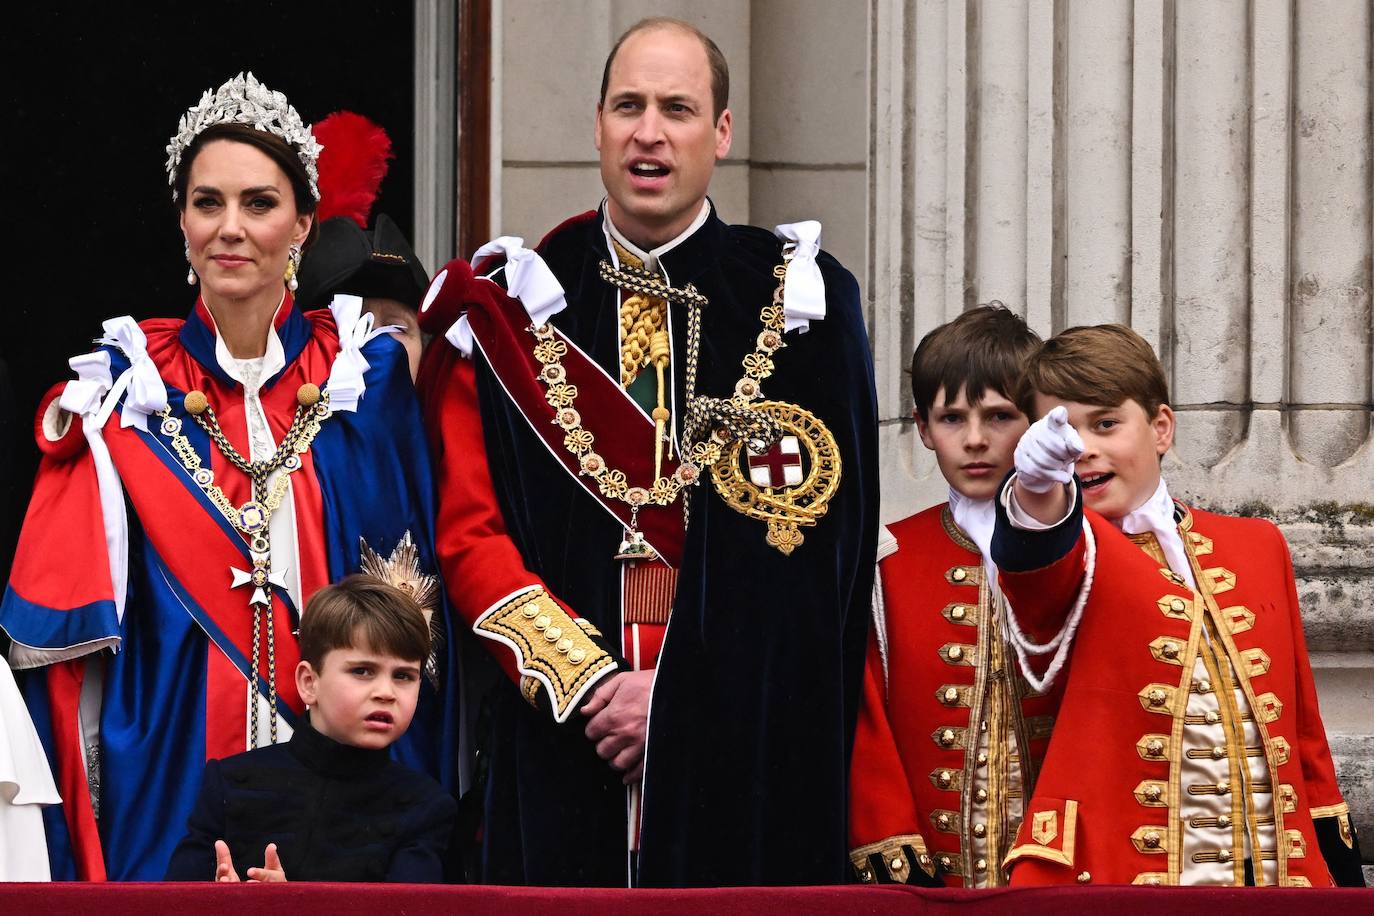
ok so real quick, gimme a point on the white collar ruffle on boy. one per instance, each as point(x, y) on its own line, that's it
point(1156, 516)
point(977, 518)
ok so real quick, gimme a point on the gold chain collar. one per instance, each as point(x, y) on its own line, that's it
point(253, 517)
point(701, 450)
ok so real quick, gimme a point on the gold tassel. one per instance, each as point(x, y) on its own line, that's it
point(659, 354)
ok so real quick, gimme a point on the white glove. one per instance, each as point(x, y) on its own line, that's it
point(1047, 452)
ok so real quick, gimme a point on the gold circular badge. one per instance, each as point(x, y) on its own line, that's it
point(789, 485)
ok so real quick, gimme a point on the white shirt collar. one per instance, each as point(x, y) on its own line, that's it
point(251, 373)
point(650, 258)
point(976, 518)
point(1156, 516)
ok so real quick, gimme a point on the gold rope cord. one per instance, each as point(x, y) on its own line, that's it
point(644, 342)
point(642, 319)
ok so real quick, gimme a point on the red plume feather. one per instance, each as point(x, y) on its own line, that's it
point(352, 165)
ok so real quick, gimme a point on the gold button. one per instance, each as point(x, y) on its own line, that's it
point(956, 613)
point(542, 621)
point(1153, 793)
point(1212, 717)
point(951, 694)
point(1155, 748)
point(577, 656)
point(980, 866)
point(925, 858)
point(946, 863)
point(947, 737)
point(1224, 820)
point(980, 796)
point(1223, 788)
point(1218, 752)
point(980, 830)
point(564, 645)
point(944, 778)
point(1151, 840)
point(959, 574)
point(530, 610)
point(1157, 697)
point(897, 864)
point(955, 653)
point(552, 634)
point(1084, 877)
point(1154, 882)
point(1178, 605)
point(982, 758)
point(1224, 855)
point(1204, 686)
point(942, 821)
point(1169, 650)
point(983, 725)
point(866, 876)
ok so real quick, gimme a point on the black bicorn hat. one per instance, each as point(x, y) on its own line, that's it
point(351, 260)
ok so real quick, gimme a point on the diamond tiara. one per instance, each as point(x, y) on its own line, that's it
point(244, 100)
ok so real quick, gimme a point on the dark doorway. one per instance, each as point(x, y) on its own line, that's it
point(93, 92)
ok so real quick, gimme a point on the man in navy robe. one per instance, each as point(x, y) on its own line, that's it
point(658, 508)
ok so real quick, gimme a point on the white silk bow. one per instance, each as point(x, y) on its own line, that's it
point(528, 278)
point(93, 395)
point(85, 394)
point(144, 393)
point(356, 327)
point(803, 297)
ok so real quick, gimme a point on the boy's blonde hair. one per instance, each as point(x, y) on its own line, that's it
point(363, 609)
point(1104, 365)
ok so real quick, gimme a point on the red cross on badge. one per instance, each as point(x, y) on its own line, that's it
point(780, 466)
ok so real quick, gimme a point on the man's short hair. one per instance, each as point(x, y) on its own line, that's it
point(1104, 365)
point(984, 348)
point(720, 70)
point(363, 611)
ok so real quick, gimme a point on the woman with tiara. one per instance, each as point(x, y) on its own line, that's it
point(200, 480)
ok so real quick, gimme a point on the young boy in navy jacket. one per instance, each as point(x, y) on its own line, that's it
point(331, 804)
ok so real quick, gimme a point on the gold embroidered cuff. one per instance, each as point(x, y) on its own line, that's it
point(549, 647)
point(894, 854)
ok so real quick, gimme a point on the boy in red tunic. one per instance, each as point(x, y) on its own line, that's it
point(1189, 748)
point(950, 734)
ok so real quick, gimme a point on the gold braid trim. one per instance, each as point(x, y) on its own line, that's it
point(547, 642)
point(895, 858)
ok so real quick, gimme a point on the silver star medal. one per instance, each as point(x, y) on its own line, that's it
point(261, 575)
